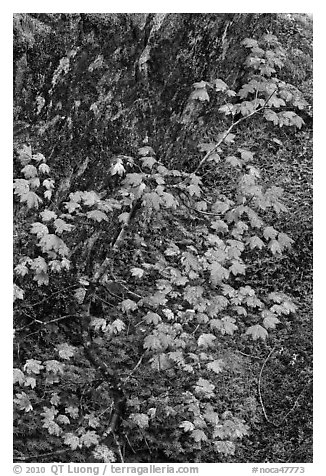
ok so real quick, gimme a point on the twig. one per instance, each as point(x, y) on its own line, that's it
point(119, 448)
point(132, 448)
point(261, 399)
point(37, 457)
point(135, 368)
point(53, 294)
point(210, 152)
point(46, 323)
point(259, 386)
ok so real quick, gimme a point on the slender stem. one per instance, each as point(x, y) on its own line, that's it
point(230, 129)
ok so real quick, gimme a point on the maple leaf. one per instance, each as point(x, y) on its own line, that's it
point(270, 319)
point(255, 242)
point(54, 366)
point(219, 226)
point(72, 411)
point(79, 295)
point(224, 447)
point(30, 382)
point(21, 187)
point(187, 426)
point(237, 267)
point(63, 419)
point(156, 300)
point(148, 162)
point(284, 240)
point(199, 94)
point(89, 438)
point(277, 297)
point(48, 194)
point(99, 323)
point(128, 305)
point(147, 150)
point(38, 157)
point(137, 272)
point(29, 171)
point(103, 453)
point(55, 400)
point(152, 342)
point(289, 306)
point(97, 215)
point(204, 387)
point(227, 109)
point(44, 168)
point(117, 326)
point(270, 233)
point(25, 154)
point(18, 377)
point(61, 226)
point(250, 43)
point(52, 242)
point(71, 440)
point(140, 419)
point(23, 402)
point(241, 311)
point(257, 332)
point(31, 199)
point(52, 427)
point(220, 85)
point(206, 340)
point(133, 179)
point(234, 161)
point(194, 189)
point(39, 265)
point(152, 318)
point(65, 351)
point(71, 206)
point(21, 269)
point(199, 435)
point(39, 229)
point(228, 325)
point(271, 116)
point(218, 273)
point(275, 247)
point(216, 366)
point(153, 200)
point(34, 183)
point(33, 366)
point(117, 167)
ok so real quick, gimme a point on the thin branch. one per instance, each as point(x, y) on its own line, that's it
point(135, 368)
point(259, 386)
point(53, 294)
point(230, 129)
point(119, 448)
point(261, 399)
point(37, 457)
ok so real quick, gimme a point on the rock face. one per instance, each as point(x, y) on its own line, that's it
point(103, 83)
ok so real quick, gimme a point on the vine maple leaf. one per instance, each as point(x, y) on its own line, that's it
point(199, 435)
point(216, 366)
point(187, 426)
point(89, 438)
point(140, 419)
point(206, 340)
point(257, 332)
point(71, 440)
point(23, 402)
point(204, 387)
point(65, 351)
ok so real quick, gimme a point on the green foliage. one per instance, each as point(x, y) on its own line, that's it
point(170, 337)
